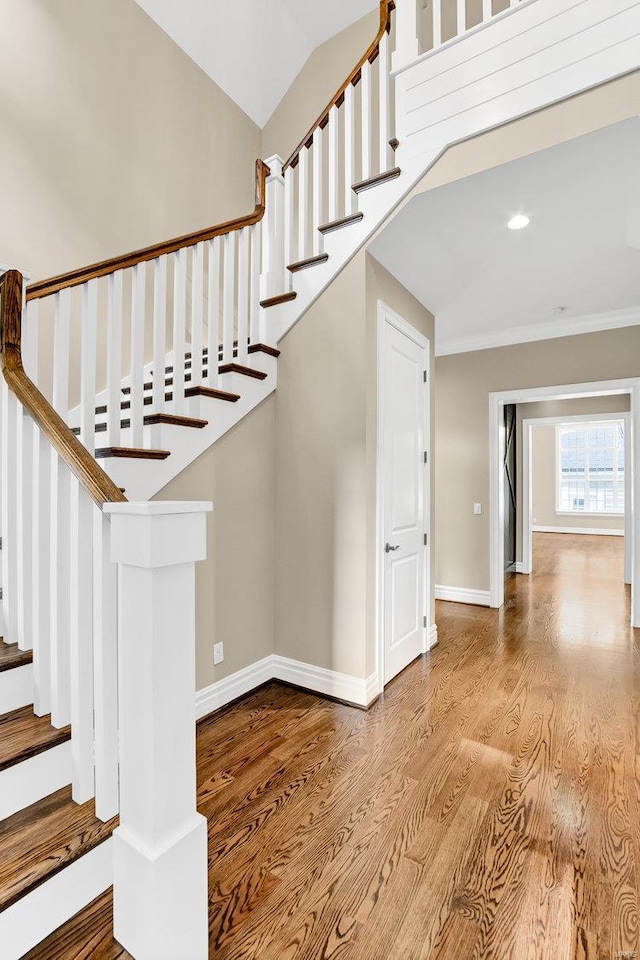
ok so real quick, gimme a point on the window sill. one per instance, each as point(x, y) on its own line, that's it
point(587, 513)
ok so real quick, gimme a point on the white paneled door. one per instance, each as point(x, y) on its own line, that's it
point(404, 474)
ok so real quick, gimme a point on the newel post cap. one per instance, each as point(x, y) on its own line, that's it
point(158, 533)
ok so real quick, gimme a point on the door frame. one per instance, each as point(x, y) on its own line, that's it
point(527, 490)
point(572, 391)
point(388, 316)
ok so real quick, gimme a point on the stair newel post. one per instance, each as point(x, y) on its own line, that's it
point(273, 281)
point(408, 15)
point(160, 847)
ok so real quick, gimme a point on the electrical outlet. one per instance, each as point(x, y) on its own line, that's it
point(477, 509)
point(218, 652)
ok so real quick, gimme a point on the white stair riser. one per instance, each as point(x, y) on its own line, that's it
point(39, 913)
point(16, 688)
point(33, 779)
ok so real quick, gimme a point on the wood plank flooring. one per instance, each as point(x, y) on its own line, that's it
point(488, 806)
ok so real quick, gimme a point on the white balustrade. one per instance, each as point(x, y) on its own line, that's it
point(318, 194)
point(213, 314)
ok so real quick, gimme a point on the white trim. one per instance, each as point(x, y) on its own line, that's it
point(590, 531)
point(16, 688)
point(32, 918)
point(387, 315)
point(518, 566)
point(320, 680)
point(629, 386)
point(432, 637)
point(330, 683)
point(222, 692)
point(33, 779)
point(479, 598)
point(546, 330)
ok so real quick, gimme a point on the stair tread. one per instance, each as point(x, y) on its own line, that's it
point(281, 298)
point(308, 262)
point(342, 222)
point(23, 735)
point(92, 927)
point(43, 839)
point(377, 180)
point(131, 453)
point(245, 371)
point(152, 419)
point(212, 393)
point(11, 656)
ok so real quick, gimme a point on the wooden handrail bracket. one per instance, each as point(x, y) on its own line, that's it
point(98, 485)
point(74, 278)
point(386, 9)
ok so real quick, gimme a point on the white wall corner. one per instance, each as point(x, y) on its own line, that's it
point(479, 598)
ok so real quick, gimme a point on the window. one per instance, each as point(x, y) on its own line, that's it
point(590, 458)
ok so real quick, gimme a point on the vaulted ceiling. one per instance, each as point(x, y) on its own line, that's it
point(253, 49)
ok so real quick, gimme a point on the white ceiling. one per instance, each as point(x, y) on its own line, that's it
point(253, 49)
point(488, 285)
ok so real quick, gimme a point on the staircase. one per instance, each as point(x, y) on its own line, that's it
point(118, 375)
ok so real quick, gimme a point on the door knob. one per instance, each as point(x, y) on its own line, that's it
point(388, 548)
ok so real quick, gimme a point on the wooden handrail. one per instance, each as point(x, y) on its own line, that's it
point(98, 485)
point(386, 8)
point(75, 277)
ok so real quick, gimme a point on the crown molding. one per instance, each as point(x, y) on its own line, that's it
point(549, 330)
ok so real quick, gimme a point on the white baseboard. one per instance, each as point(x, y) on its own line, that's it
point(33, 779)
point(432, 637)
point(479, 598)
point(590, 531)
point(222, 692)
point(42, 911)
point(519, 566)
point(329, 683)
point(16, 688)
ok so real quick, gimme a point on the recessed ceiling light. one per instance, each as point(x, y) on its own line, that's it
point(518, 222)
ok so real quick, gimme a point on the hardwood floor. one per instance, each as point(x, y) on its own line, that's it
point(488, 806)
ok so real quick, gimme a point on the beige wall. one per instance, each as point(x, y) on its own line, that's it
point(463, 383)
point(112, 137)
point(325, 471)
point(235, 585)
point(314, 87)
point(543, 490)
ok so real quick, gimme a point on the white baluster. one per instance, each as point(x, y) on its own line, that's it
point(255, 334)
point(159, 333)
point(437, 23)
point(365, 95)
point(333, 164)
point(114, 358)
point(88, 355)
point(318, 141)
point(81, 642)
point(487, 10)
point(243, 295)
point(229, 297)
point(41, 556)
point(197, 312)
point(179, 323)
point(214, 310)
point(24, 519)
point(349, 152)
point(384, 67)
point(138, 322)
point(59, 512)
point(272, 282)
point(160, 847)
point(303, 203)
point(105, 668)
point(408, 32)
point(8, 439)
point(59, 593)
point(461, 17)
point(289, 222)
